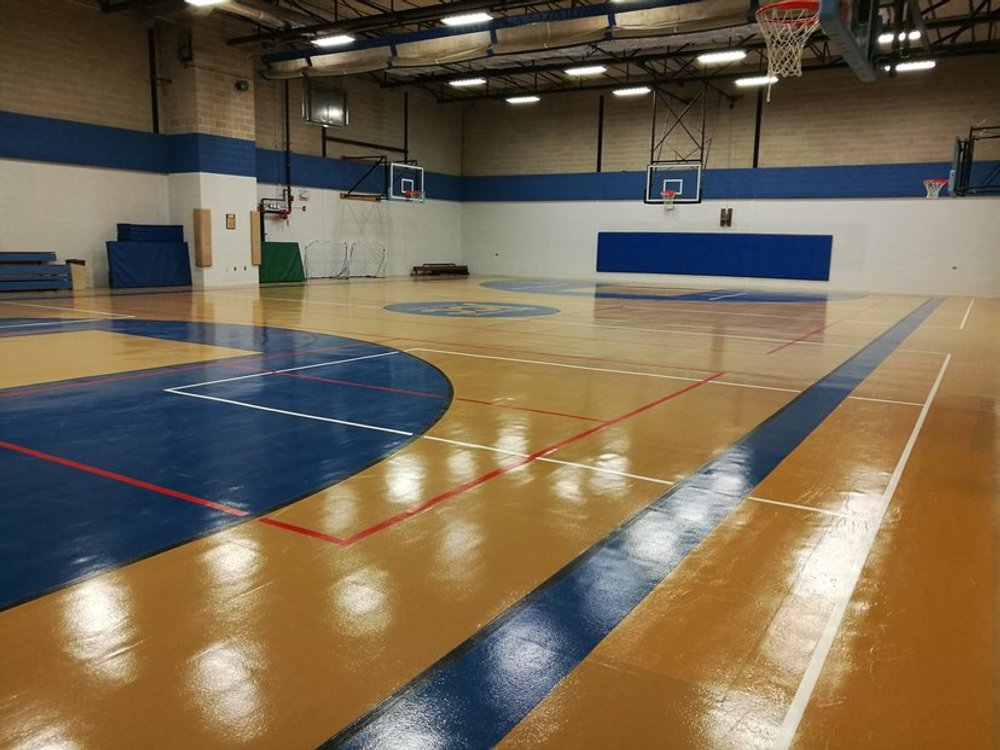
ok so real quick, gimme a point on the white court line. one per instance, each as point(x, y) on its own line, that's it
point(66, 309)
point(824, 511)
point(767, 339)
point(56, 322)
point(287, 369)
point(885, 400)
point(314, 417)
point(727, 296)
point(589, 467)
point(556, 364)
point(965, 317)
point(790, 725)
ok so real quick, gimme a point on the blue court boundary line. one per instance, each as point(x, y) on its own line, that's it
point(457, 702)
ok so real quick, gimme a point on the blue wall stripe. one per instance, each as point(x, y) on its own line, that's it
point(762, 256)
point(474, 696)
point(65, 142)
point(197, 152)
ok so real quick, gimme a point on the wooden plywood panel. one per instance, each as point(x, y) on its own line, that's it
point(203, 237)
point(255, 238)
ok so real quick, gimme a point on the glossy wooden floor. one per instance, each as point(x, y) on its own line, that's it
point(850, 602)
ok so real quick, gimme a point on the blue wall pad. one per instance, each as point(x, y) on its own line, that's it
point(138, 264)
point(764, 256)
point(150, 233)
point(28, 257)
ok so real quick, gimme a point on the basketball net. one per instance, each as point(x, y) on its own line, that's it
point(934, 186)
point(786, 27)
point(668, 199)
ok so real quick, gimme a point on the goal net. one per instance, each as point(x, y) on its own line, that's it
point(343, 259)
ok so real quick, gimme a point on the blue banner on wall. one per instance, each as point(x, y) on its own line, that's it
point(763, 256)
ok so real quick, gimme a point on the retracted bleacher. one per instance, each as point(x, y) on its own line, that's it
point(27, 271)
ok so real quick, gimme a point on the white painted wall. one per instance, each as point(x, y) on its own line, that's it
point(222, 194)
point(72, 211)
point(912, 245)
point(413, 233)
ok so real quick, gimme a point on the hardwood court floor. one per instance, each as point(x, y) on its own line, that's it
point(249, 522)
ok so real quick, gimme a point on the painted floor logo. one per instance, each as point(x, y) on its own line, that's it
point(472, 309)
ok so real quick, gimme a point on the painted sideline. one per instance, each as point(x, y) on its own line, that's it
point(475, 695)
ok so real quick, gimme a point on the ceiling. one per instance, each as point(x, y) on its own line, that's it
point(529, 44)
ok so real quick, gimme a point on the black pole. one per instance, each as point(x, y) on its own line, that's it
point(756, 127)
point(600, 132)
point(288, 150)
point(652, 128)
point(154, 92)
point(406, 127)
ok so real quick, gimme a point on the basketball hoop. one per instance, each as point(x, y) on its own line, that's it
point(413, 195)
point(668, 199)
point(786, 26)
point(934, 186)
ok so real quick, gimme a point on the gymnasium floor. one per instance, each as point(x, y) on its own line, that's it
point(525, 513)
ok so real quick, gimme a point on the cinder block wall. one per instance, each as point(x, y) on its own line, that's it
point(60, 59)
point(824, 118)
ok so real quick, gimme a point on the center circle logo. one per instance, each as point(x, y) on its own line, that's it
point(472, 309)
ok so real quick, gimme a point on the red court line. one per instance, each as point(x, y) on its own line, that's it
point(505, 469)
point(407, 392)
point(802, 337)
point(122, 478)
point(304, 531)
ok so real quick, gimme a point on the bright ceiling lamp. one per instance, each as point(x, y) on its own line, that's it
point(202, 3)
point(337, 40)
point(887, 38)
point(466, 19)
point(904, 67)
point(585, 70)
point(756, 81)
point(523, 99)
point(462, 82)
point(728, 55)
point(633, 91)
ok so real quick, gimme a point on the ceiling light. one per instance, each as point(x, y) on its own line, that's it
point(586, 70)
point(202, 3)
point(634, 91)
point(756, 81)
point(887, 38)
point(467, 19)
point(729, 55)
point(338, 40)
point(903, 67)
point(523, 99)
point(467, 82)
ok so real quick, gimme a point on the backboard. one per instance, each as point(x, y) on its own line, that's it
point(681, 177)
point(405, 182)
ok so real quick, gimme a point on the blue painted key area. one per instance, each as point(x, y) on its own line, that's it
point(62, 523)
point(768, 256)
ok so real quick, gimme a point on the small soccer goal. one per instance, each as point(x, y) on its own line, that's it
point(344, 259)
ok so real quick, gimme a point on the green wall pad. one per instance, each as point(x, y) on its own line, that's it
point(280, 261)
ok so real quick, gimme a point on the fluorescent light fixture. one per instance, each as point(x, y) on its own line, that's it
point(466, 19)
point(467, 82)
point(202, 3)
point(887, 38)
point(728, 55)
point(586, 70)
point(338, 40)
point(523, 99)
point(633, 91)
point(903, 67)
point(756, 81)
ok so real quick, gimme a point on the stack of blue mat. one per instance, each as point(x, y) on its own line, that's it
point(149, 255)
